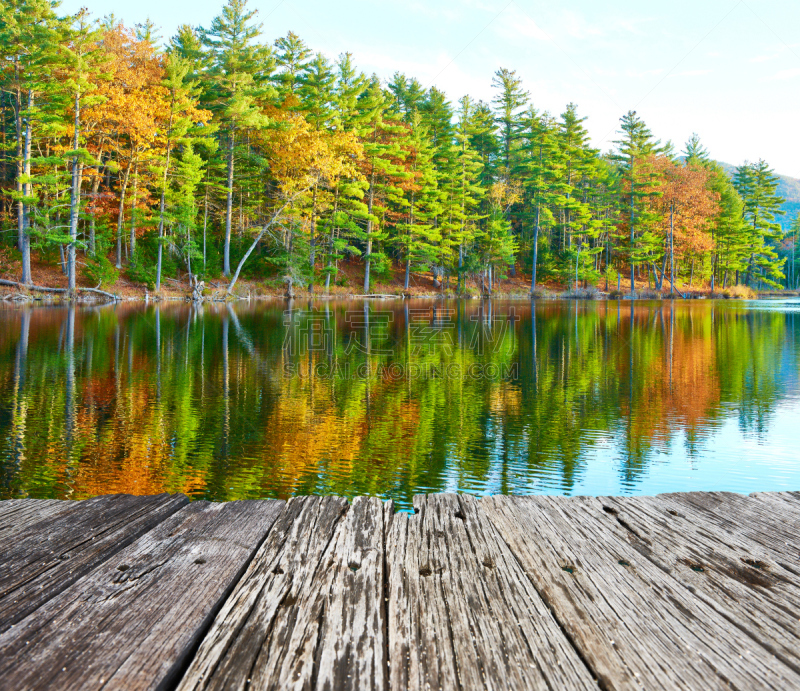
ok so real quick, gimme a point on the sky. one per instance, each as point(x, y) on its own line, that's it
point(726, 69)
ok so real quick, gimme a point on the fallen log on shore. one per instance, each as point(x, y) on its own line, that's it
point(62, 291)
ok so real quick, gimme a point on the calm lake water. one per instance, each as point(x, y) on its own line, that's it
point(396, 398)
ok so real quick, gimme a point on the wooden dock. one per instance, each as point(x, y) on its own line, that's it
point(683, 591)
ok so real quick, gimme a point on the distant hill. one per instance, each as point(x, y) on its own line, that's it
point(788, 188)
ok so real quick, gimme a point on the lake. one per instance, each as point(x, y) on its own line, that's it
point(394, 398)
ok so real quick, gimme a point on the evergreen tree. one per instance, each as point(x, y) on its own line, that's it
point(540, 169)
point(461, 189)
point(636, 145)
point(380, 131)
point(757, 185)
point(235, 84)
point(29, 48)
point(418, 238)
point(409, 95)
point(510, 100)
point(292, 57)
point(695, 153)
point(348, 208)
point(84, 61)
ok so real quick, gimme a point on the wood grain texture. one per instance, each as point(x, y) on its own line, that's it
point(309, 612)
point(635, 625)
point(775, 528)
point(679, 591)
point(133, 622)
point(18, 514)
point(732, 574)
point(48, 556)
point(462, 613)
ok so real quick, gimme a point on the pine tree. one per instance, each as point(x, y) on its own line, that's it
point(695, 153)
point(793, 275)
point(409, 95)
point(576, 162)
point(182, 115)
point(84, 62)
point(462, 192)
point(29, 46)
point(417, 237)
point(317, 95)
point(510, 100)
point(757, 185)
point(637, 144)
point(237, 78)
point(348, 207)
point(188, 45)
point(292, 58)
point(540, 170)
point(483, 139)
point(379, 133)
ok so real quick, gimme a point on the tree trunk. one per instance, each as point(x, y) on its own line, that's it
point(672, 250)
point(75, 196)
point(121, 217)
point(331, 239)
point(226, 267)
point(20, 171)
point(312, 239)
point(133, 210)
point(460, 264)
point(92, 220)
point(369, 233)
point(633, 278)
point(255, 242)
point(26, 190)
point(205, 226)
point(535, 249)
point(163, 197)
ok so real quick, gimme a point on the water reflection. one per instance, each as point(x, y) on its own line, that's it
point(243, 401)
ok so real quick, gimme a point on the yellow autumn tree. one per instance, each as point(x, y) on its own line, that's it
point(300, 159)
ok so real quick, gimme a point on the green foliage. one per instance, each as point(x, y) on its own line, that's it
point(478, 190)
point(99, 269)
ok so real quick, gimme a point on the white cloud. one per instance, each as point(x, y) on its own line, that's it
point(693, 73)
point(764, 58)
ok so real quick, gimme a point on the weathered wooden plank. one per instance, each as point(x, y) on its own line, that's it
point(633, 624)
point(48, 556)
point(732, 574)
point(309, 612)
point(776, 530)
point(133, 622)
point(352, 647)
point(462, 613)
point(785, 501)
point(18, 514)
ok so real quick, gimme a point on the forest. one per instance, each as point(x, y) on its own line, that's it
point(221, 154)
